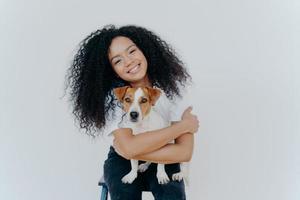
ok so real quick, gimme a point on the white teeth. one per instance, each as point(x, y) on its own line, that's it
point(135, 69)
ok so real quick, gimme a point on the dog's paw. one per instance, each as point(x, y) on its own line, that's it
point(162, 177)
point(129, 178)
point(179, 176)
point(143, 167)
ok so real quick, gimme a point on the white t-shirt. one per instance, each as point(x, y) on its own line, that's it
point(171, 110)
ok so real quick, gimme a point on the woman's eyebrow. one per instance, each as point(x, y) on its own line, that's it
point(125, 50)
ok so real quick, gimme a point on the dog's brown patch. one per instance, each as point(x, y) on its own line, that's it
point(126, 96)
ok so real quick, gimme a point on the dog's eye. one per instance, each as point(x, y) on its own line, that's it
point(127, 99)
point(144, 100)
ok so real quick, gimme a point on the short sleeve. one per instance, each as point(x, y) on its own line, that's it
point(114, 119)
point(179, 104)
point(114, 122)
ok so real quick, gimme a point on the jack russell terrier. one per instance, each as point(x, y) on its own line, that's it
point(140, 117)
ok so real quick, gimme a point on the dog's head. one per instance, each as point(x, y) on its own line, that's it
point(137, 102)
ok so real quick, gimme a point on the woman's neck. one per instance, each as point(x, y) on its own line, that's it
point(141, 83)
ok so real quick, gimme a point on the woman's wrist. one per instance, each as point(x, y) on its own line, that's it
point(181, 127)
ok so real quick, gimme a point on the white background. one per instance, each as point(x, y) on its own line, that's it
point(244, 59)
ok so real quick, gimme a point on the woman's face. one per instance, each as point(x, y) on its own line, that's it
point(127, 59)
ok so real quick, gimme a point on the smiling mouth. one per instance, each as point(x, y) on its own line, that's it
point(135, 69)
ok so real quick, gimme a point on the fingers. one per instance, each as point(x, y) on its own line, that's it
point(189, 109)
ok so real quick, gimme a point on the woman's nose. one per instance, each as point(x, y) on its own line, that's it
point(128, 61)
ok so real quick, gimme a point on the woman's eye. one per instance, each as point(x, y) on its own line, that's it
point(117, 62)
point(132, 51)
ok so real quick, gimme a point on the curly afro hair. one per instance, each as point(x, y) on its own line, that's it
point(91, 77)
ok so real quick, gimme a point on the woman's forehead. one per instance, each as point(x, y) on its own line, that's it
point(120, 44)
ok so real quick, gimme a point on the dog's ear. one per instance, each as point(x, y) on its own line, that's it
point(154, 94)
point(120, 92)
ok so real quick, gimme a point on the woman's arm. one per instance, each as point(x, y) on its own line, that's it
point(130, 145)
point(181, 151)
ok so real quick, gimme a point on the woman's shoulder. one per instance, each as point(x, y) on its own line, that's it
point(172, 108)
point(184, 92)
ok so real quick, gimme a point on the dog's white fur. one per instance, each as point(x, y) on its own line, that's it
point(150, 122)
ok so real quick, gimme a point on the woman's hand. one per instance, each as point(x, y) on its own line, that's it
point(191, 121)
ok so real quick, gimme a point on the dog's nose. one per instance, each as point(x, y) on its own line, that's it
point(134, 115)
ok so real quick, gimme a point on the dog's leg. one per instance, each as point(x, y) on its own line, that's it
point(183, 174)
point(143, 167)
point(131, 176)
point(161, 174)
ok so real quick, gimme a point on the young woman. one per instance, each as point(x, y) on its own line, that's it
point(130, 55)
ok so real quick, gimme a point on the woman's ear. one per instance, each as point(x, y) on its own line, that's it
point(120, 92)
